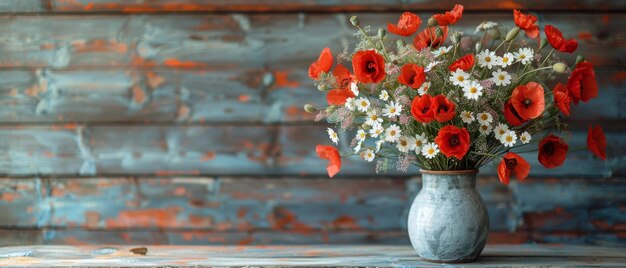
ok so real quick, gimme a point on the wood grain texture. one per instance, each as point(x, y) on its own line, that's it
point(294, 256)
point(214, 42)
point(146, 6)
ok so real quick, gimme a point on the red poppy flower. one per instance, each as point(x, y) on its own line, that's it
point(450, 17)
point(552, 151)
point(464, 63)
point(453, 141)
point(412, 75)
point(407, 24)
point(596, 142)
point(343, 78)
point(421, 108)
point(323, 64)
point(526, 23)
point(511, 115)
point(561, 99)
point(558, 42)
point(331, 154)
point(368, 66)
point(528, 100)
point(443, 109)
point(515, 164)
point(427, 38)
point(582, 84)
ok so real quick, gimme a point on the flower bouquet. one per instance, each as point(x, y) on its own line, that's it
point(450, 102)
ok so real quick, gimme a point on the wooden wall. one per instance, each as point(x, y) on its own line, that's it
point(180, 122)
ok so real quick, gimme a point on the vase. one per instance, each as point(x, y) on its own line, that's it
point(448, 221)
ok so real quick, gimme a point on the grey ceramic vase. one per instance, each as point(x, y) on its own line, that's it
point(448, 220)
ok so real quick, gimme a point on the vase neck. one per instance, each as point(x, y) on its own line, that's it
point(453, 181)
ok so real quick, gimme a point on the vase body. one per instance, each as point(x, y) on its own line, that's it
point(448, 221)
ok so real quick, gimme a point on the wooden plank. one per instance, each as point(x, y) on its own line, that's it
point(22, 204)
point(24, 6)
point(307, 256)
point(164, 150)
point(238, 40)
point(144, 6)
point(204, 97)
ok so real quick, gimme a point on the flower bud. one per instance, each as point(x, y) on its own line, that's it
point(543, 43)
point(432, 22)
point(479, 46)
point(512, 34)
point(309, 108)
point(355, 21)
point(456, 37)
point(579, 59)
point(321, 87)
point(559, 67)
point(330, 109)
point(438, 32)
point(381, 33)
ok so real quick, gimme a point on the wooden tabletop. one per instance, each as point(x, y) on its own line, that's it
point(305, 256)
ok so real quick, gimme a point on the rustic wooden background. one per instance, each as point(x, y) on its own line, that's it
point(180, 122)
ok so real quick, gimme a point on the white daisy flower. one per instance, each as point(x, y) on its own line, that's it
point(508, 138)
point(500, 130)
point(404, 143)
point(472, 90)
point(525, 55)
point(431, 65)
point(430, 150)
point(441, 51)
point(422, 89)
point(418, 142)
point(393, 109)
point(467, 117)
point(384, 95)
point(525, 137)
point(484, 118)
point(459, 77)
point(501, 78)
point(484, 129)
point(333, 135)
point(506, 60)
point(368, 155)
point(373, 118)
point(354, 88)
point(392, 134)
point(485, 25)
point(362, 104)
point(379, 144)
point(350, 104)
point(376, 130)
point(487, 59)
point(361, 135)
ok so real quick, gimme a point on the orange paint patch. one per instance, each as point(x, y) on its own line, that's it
point(175, 63)
point(154, 80)
point(243, 98)
point(180, 191)
point(141, 62)
point(9, 197)
point(246, 241)
point(100, 45)
point(48, 154)
point(92, 219)
point(73, 241)
point(345, 222)
point(156, 217)
point(283, 219)
point(208, 156)
point(585, 36)
point(281, 79)
point(139, 96)
point(241, 213)
point(200, 221)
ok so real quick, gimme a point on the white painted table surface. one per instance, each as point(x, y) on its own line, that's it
point(302, 256)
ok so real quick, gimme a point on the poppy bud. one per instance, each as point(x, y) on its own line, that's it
point(355, 21)
point(438, 32)
point(559, 67)
point(309, 108)
point(322, 87)
point(330, 109)
point(479, 46)
point(456, 37)
point(543, 43)
point(512, 34)
point(381, 33)
point(579, 59)
point(432, 22)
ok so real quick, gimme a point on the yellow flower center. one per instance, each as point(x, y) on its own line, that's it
point(488, 59)
point(473, 90)
point(418, 143)
point(501, 77)
point(505, 59)
point(392, 133)
point(509, 139)
point(431, 151)
point(392, 110)
point(403, 142)
point(461, 78)
point(483, 117)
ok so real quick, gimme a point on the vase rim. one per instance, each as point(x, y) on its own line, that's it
point(449, 172)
